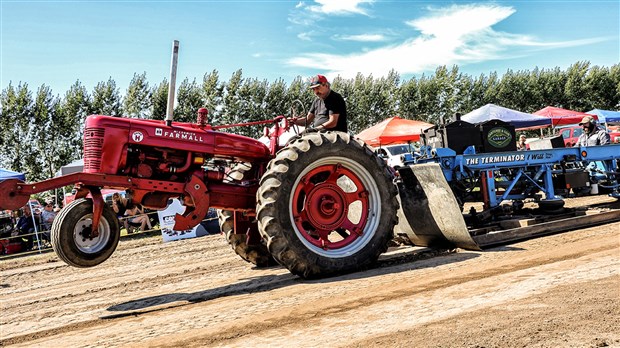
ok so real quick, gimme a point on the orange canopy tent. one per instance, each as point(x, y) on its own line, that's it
point(560, 117)
point(393, 130)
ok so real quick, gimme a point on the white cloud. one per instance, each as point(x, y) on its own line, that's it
point(339, 7)
point(307, 15)
point(459, 34)
point(456, 21)
point(361, 38)
point(307, 36)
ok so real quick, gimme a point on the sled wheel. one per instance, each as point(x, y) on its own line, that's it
point(72, 239)
point(256, 253)
point(551, 205)
point(326, 205)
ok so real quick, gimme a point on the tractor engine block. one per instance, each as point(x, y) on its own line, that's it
point(160, 163)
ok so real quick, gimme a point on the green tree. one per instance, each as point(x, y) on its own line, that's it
point(601, 89)
point(189, 101)
point(429, 93)
point(251, 96)
point(408, 99)
point(299, 96)
point(449, 87)
point(575, 89)
point(212, 92)
point(106, 99)
point(476, 91)
point(548, 90)
point(137, 101)
point(276, 100)
point(361, 110)
point(614, 73)
point(16, 120)
point(159, 100)
point(492, 86)
point(45, 135)
point(514, 92)
point(74, 108)
point(231, 103)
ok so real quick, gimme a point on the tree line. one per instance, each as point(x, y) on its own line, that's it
point(41, 131)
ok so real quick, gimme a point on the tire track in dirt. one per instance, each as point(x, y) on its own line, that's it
point(222, 301)
point(285, 330)
point(362, 316)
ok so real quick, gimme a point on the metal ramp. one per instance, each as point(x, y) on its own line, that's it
point(429, 213)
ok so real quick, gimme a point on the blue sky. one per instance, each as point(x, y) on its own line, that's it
point(59, 42)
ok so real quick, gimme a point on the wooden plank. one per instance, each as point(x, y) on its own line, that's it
point(546, 228)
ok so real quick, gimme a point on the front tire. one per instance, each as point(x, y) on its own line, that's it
point(72, 238)
point(326, 205)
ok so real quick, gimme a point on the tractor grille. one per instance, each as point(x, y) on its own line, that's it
point(93, 146)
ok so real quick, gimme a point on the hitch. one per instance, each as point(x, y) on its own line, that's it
point(197, 191)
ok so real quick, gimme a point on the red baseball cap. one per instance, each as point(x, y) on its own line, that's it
point(317, 80)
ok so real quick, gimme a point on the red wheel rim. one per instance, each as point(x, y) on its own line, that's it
point(321, 206)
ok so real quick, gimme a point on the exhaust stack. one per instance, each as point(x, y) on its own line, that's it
point(173, 80)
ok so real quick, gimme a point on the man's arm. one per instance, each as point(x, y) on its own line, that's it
point(603, 138)
point(578, 142)
point(303, 121)
point(331, 123)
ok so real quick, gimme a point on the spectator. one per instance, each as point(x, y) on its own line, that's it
point(592, 134)
point(25, 227)
point(137, 216)
point(119, 205)
point(521, 143)
point(47, 217)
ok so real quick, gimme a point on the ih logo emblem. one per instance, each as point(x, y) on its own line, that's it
point(137, 136)
point(499, 137)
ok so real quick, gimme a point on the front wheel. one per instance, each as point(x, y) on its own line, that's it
point(326, 205)
point(72, 234)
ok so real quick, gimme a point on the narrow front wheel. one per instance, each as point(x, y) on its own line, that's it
point(73, 237)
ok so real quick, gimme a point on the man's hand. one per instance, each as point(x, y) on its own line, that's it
point(310, 130)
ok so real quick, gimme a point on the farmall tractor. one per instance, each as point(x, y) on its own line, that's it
point(321, 205)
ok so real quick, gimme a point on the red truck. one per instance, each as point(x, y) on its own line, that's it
point(572, 133)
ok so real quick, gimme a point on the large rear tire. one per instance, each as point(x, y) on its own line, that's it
point(254, 253)
point(72, 239)
point(326, 205)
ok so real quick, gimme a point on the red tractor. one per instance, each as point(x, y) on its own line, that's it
point(324, 204)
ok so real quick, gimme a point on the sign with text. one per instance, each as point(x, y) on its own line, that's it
point(166, 222)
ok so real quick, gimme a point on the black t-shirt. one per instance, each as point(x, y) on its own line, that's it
point(333, 104)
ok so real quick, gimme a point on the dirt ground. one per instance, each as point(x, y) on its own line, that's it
point(561, 290)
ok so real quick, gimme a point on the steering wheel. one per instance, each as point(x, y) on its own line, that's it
point(297, 110)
